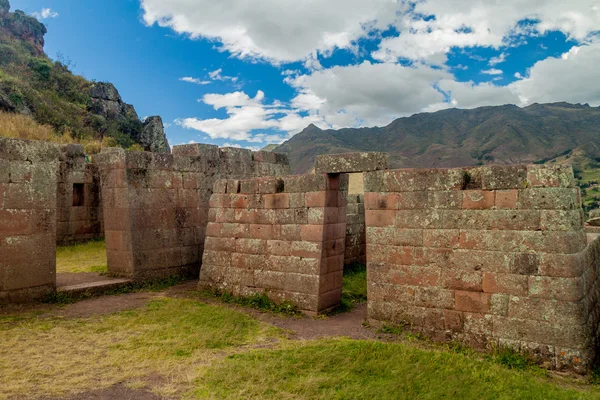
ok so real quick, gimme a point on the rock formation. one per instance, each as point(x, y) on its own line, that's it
point(153, 136)
point(22, 26)
point(107, 102)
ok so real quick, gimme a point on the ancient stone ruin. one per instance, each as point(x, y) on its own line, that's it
point(488, 256)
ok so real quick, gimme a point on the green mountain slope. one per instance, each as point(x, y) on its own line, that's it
point(451, 138)
point(34, 85)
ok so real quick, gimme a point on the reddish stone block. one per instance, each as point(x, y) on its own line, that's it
point(566, 289)
point(444, 238)
point(279, 247)
point(313, 233)
point(454, 320)
point(250, 246)
point(260, 231)
point(380, 217)
point(280, 200)
point(307, 249)
point(15, 222)
point(316, 199)
point(478, 199)
point(516, 285)
point(239, 201)
point(414, 276)
point(381, 201)
point(476, 302)
point(462, 280)
point(507, 199)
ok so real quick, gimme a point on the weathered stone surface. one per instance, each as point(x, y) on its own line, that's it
point(351, 162)
point(494, 254)
point(268, 236)
point(153, 137)
point(156, 205)
point(79, 206)
point(28, 184)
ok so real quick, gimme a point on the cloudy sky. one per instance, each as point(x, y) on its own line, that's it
point(253, 72)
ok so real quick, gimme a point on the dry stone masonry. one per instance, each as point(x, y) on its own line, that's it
point(79, 206)
point(156, 205)
point(281, 236)
point(489, 256)
point(27, 219)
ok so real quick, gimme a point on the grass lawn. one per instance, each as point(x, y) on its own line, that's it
point(185, 348)
point(85, 257)
point(354, 286)
point(210, 351)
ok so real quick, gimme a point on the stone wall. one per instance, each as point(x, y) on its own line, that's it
point(489, 256)
point(355, 222)
point(156, 205)
point(280, 236)
point(28, 171)
point(79, 206)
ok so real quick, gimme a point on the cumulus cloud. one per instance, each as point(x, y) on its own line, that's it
point(570, 78)
point(463, 23)
point(44, 13)
point(246, 115)
point(368, 94)
point(274, 30)
point(409, 74)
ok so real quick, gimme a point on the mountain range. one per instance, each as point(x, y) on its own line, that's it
point(454, 137)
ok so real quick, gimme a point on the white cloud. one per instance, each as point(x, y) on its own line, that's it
point(367, 94)
point(218, 76)
point(497, 60)
point(197, 81)
point(44, 13)
point(492, 71)
point(572, 78)
point(275, 30)
point(237, 146)
point(464, 23)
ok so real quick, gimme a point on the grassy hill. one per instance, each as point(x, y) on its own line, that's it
point(34, 86)
point(451, 138)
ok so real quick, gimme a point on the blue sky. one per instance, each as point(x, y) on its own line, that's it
point(250, 73)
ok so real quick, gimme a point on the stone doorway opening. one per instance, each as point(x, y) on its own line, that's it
point(354, 282)
point(81, 258)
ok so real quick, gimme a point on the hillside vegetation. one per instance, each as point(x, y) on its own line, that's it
point(46, 91)
point(453, 138)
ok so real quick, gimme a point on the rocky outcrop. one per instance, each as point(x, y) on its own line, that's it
point(23, 27)
point(4, 8)
point(153, 136)
point(106, 101)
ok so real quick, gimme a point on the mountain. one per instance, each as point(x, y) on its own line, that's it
point(47, 91)
point(455, 137)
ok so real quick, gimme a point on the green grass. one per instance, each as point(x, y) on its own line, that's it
point(84, 257)
point(258, 301)
point(346, 369)
point(171, 338)
point(354, 286)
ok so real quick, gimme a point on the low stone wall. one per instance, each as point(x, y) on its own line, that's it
point(491, 256)
point(280, 236)
point(156, 205)
point(28, 172)
point(79, 205)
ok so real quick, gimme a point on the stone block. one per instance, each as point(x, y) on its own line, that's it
point(351, 162)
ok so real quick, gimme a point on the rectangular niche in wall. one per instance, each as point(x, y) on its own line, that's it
point(78, 190)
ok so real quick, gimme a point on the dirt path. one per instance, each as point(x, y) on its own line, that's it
point(116, 392)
